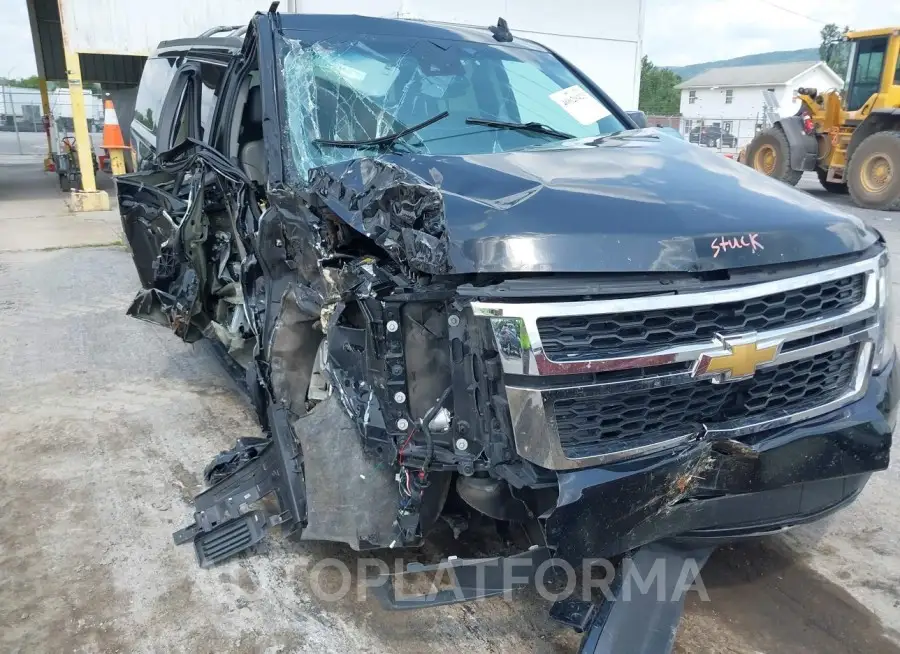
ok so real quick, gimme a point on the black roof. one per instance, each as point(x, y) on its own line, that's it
point(294, 24)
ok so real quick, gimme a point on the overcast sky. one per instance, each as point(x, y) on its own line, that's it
point(679, 32)
point(676, 32)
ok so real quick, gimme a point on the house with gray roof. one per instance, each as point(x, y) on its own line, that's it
point(733, 98)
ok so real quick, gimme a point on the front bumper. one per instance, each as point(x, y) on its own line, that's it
point(718, 491)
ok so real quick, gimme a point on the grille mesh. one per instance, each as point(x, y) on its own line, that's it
point(579, 338)
point(594, 425)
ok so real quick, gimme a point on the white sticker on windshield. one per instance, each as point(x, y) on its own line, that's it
point(582, 106)
point(349, 73)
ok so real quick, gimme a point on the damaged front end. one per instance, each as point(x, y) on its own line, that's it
point(415, 326)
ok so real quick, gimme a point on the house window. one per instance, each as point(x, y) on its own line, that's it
point(687, 126)
point(729, 96)
point(692, 97)
point(727, 126)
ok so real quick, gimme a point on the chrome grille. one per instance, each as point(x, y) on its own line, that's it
point(577, 338)
point(590, 425)
point(628, 394)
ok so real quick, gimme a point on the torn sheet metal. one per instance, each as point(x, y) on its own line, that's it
point(190, 254)
point(401, 212)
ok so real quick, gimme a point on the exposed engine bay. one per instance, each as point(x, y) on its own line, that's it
point(430, 308)
point(372, 347)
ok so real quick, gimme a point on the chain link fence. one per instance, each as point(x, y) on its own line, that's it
point(22, 129)
point(727, 135)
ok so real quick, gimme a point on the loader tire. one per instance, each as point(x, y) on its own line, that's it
point(832, 187)
point(873, 174)
point(770, 154)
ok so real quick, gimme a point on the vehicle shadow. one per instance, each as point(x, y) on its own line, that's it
point(764, 598)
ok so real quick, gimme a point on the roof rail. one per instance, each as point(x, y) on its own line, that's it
point(232, 30)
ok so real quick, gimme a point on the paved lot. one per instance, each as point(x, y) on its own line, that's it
point(107, 423)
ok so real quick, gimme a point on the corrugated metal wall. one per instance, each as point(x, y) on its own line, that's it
point(136, 26)
point(112, 70)
point(45, 21)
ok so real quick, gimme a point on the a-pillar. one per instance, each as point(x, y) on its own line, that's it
point(88, 198)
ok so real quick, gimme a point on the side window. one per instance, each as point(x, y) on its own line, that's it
point(211, 78)
point(155, 82)
point(866, 77)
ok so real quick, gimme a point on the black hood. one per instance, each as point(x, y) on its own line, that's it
point(640, 201)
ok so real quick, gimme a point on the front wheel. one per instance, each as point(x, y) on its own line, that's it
point(873, 174)
point(770, 154)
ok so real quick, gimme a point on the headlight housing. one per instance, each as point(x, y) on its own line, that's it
point(884, 347)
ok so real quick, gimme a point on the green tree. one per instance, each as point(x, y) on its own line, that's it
point(26, 82)
point(658, 94)
point(833, 50)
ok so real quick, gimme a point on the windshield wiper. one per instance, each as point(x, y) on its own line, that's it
point(383, 141)
point(539, 128)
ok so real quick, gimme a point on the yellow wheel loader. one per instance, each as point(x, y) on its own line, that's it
point(850, 138)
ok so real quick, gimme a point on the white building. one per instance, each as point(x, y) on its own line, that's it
point(602, 38)
point(25, 105)
point(732, 98)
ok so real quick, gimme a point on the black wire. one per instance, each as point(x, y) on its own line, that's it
point(432, 412)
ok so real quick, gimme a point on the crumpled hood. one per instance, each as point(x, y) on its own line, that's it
point(640, 201)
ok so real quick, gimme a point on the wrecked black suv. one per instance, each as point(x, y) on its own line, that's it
point(450, 268)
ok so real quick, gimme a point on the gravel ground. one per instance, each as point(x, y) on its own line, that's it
point(107, 423)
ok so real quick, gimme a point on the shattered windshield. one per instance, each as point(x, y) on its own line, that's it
point(366, 87)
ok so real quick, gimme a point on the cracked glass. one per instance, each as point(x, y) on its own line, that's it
point(366, 87)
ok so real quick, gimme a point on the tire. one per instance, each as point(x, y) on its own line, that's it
point(868, 187)
point(779, 167)
point(839, 188)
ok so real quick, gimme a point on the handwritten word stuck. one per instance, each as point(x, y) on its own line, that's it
point(720, 244)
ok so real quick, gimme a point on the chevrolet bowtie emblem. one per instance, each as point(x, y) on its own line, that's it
point(738, 358)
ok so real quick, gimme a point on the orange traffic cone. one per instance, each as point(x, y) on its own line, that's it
point(113, 142)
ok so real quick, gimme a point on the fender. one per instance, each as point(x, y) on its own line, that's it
point(804, 147)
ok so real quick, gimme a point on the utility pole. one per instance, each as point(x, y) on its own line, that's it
point(15, 124)
point(6, 86)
